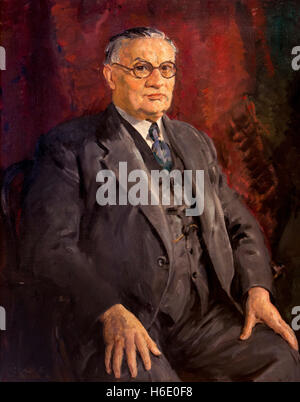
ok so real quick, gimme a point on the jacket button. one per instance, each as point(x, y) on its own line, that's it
point(194, 275)
point(161, 261)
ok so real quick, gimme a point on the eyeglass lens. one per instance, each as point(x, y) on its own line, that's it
point(144, 69)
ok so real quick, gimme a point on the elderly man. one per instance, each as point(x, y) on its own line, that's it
point(153, 291)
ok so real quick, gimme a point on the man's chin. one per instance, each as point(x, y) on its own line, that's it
point(155, 110)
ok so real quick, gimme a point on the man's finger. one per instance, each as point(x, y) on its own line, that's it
point(118, 357)
point(108, 351)
point(143, 350)
point(281, 328)
point(152, 345)
point(250, 322)
point(131, 354)
point(290, 336)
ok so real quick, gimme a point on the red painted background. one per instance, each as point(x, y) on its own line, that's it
point(54, 62)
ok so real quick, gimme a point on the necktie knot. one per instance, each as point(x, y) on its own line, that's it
point(154, 132)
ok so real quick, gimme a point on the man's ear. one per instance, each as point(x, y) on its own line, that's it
point(107, 72)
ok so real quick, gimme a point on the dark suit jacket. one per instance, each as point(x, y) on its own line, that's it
point(102, 255)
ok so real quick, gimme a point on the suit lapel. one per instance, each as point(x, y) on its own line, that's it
point(193, 161)
point(214, 231)
point(120, 147)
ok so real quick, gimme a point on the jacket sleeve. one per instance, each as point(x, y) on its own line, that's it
point(50, 232)
point(251, 256)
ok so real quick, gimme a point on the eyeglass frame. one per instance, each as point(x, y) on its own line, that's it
point(153, 68)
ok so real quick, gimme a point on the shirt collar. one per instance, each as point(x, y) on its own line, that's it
point(142, 126)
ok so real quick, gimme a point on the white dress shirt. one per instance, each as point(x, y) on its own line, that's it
point(142, 126)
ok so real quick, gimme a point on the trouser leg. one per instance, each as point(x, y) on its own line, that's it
point(206, 347)
point(87, 362)
point(210, 348)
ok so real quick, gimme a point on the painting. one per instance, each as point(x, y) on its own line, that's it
point(95, 95)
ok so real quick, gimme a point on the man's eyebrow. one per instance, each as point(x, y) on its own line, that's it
point(140, 59)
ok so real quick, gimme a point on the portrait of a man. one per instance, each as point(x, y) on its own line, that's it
point(153, 290)
point(149, 207)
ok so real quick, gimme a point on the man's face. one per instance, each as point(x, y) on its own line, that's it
point(143, 98)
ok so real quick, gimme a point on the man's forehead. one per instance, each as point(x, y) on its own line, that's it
point(154, 50)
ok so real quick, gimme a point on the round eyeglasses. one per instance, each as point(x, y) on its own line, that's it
point(143, 69)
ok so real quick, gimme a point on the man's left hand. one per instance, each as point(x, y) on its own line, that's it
point(259, 309)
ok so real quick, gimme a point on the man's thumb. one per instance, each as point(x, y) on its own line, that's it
point(249, 325)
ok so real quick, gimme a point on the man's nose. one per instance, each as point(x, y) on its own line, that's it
point(155, 79)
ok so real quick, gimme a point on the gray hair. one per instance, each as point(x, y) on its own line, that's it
point(115, 42)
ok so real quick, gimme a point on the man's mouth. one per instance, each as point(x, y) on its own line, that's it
point(155, 96)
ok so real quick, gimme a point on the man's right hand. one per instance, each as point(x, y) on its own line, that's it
point(121, 329)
